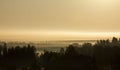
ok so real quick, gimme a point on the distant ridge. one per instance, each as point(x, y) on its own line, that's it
point(75, 41)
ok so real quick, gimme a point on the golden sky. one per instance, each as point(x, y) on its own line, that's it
point(59, 19)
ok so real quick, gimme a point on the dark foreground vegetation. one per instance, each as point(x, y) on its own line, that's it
point(104, 55)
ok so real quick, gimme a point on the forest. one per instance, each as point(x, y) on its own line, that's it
point(103, 55)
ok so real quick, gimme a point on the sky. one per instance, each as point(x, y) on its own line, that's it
point(36, 20)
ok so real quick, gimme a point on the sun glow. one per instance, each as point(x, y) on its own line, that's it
point(105, 2)
point(57, 35)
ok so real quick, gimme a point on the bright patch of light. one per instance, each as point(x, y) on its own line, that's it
point(105, 2)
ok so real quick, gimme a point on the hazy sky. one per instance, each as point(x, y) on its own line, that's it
point(59, 19)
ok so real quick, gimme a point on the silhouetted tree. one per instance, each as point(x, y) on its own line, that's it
point(71, 51)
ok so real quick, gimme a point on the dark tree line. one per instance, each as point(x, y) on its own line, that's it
point(104, 55)
point(17, 58)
